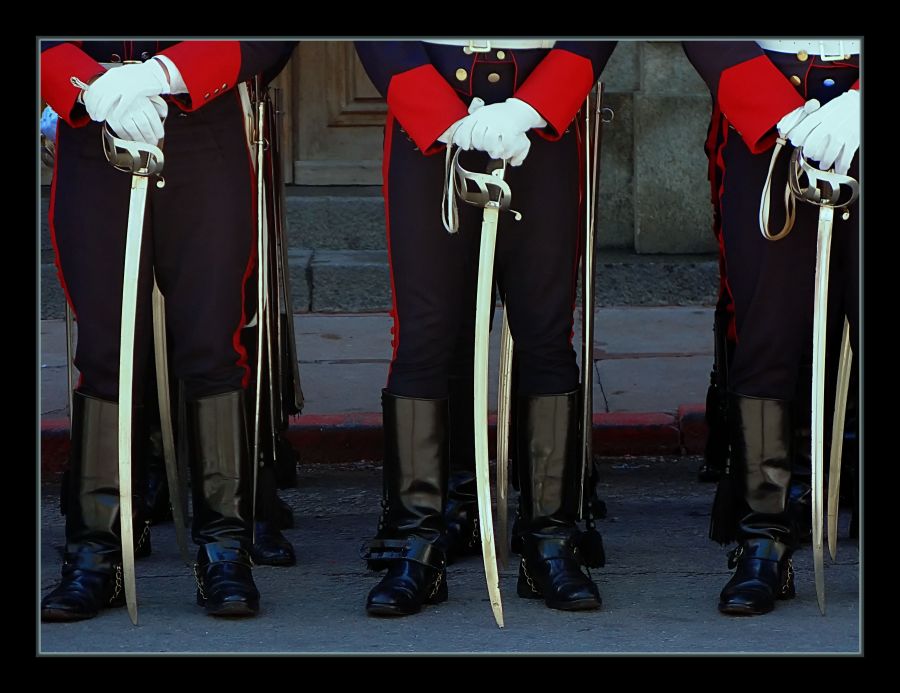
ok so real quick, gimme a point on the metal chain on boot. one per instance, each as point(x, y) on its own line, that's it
point(788, 583)
point(734, 555)
point(437, 583)
point(476, 534)
point(143, 538)
point(199, 580)
point(385, 509)
point(528, 579)
point(117, 587)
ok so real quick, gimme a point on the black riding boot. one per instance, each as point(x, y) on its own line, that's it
point(92, 567)
point(550, 485)
point(409, 535)
point(761, 437)
point(462, 536)
point(270, 546)
point(222, 483)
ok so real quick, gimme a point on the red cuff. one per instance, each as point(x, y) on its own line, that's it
point(557, 88)
point(58, 65)
point(754, 96)
point(209, 68)
point(855, 85)
point(425, 105)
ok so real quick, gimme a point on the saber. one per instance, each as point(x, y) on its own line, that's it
point(142, 160)
point(70, 359)
point(587, 293)
point(262, 281)
point(503, 411)
point(161, 358)
point(292, 400)
point(837, 437)
point(493, 194)
point(826, 198)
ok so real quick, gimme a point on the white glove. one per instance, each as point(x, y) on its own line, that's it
point(795, 117)
point(447, 136)
point(116, 90)
point(142, 122)
point(49, 120)
point(831, 134)
point(499, 130)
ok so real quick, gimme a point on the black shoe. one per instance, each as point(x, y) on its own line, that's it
point(764, 573)
point(551, 570)
point(225, 584)
point(405, 588)
point(82, 593)
point(271, 547)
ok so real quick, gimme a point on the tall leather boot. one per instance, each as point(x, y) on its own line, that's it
point(92, 567)
point(270, 546)
point(549, 483)
point(761, 438)
point(410, 531)
point(222, 486)
point(462, 536)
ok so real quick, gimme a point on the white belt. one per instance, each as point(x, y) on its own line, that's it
point(487, 45)
point(831, 49)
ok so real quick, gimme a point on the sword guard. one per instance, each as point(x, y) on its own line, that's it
point(136, 158)
point(484, 189)
point(824, 188)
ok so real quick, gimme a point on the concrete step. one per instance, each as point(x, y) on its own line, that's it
point(338, 262)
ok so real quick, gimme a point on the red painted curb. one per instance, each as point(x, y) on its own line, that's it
point(692, 423)
point(331, 438)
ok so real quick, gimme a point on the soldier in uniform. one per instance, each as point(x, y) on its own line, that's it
point(434, 90)
point(200, 243)
point(807, 92)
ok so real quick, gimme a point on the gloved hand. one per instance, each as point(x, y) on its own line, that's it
point(142, 122)
point(831, 134)
point(499, 130)
point(114, 93)
point(795, 117)
point(447, 136)
point(49, 120)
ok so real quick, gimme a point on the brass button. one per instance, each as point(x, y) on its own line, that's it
point(206, 95)
point(224, 85)
point(795, 80)
point(145, 55)
point(501, 55)
point(461, 75)
point(493, 78)
point(802, 55)
point(115, 58)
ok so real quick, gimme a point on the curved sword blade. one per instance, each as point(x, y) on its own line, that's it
point(820, 316)
point(126, 381)
point(837, 438)
point(482, 471)
point(503, 411)
point(161, 356)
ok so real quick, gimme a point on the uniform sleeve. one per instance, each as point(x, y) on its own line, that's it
point(750, 91)
point(60, 61)
point(418, 97)
point(212, 68)
point(557, 87)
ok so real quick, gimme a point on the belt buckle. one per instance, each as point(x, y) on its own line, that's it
point(825, 57)
point(475, 47)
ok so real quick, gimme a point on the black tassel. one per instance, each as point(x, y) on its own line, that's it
point(590, 543)
point(723, 520)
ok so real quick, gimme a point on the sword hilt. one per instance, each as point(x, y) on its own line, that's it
point(136, 158)
point(824, 188)
point(484, 189)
